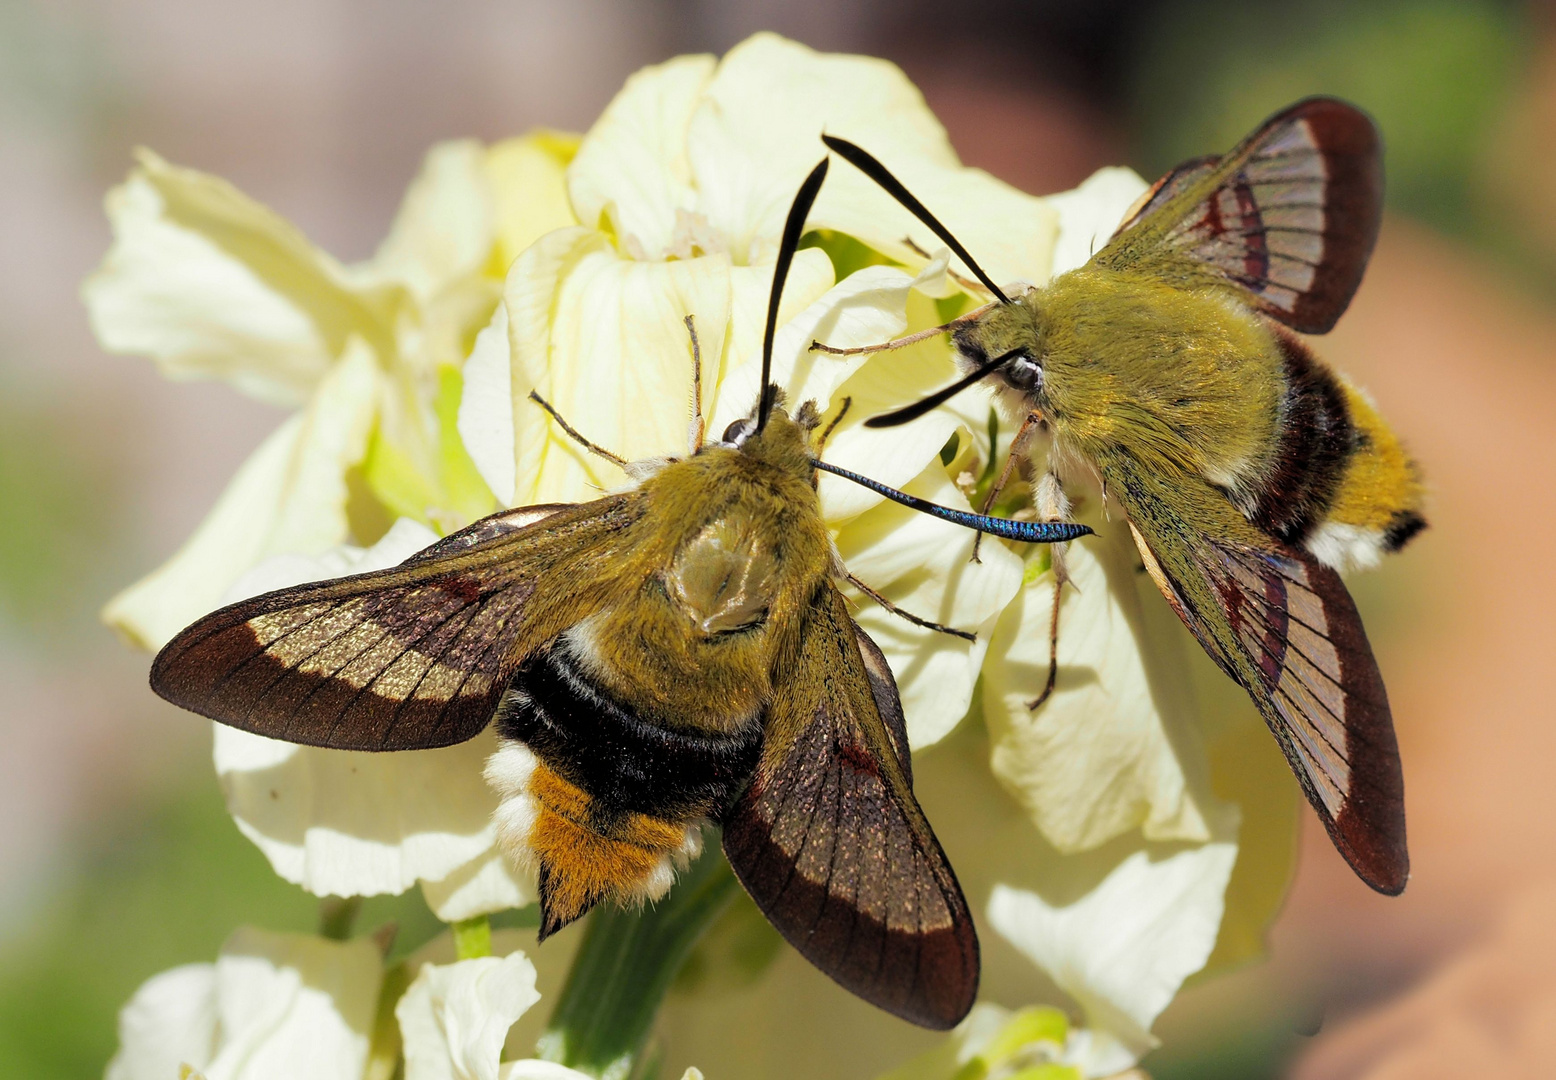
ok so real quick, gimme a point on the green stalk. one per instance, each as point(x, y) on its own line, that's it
point(625, 965)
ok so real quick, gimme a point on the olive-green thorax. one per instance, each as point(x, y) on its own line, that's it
point(729, 552)
point(1124, 360)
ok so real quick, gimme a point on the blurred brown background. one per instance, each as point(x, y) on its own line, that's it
point(116, 859)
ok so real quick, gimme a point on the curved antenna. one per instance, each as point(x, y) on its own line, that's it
point(1031, 532)
point(945, 393)
point(804, 199)
point(861, 159)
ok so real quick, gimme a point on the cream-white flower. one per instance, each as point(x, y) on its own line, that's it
point(210, 284)
point(454, 1018)
point(272, 1005)
point(1123, 950)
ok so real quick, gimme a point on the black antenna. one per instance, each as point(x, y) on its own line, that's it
point(804, 199)
point(865, 163)
point(1031, 532)
point(946, 393)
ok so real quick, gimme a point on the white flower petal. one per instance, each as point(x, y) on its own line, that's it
point(211, 284)
point(480, 887)
point(1089, 214)
point(1124, 948)
point(535, 1069)
point(295, 1006)
point(868, 308)
point(923, 565)
point(486, 407)
point(888, 381)
point(454, 1018)
point(346, 823)
point(290, 496)
point(445, 226)
point(1116, 747)
point(604, 340)
point(528, 177)
point(726, 399)
point(632, 165)
point(749, 157)
point(171, 1021)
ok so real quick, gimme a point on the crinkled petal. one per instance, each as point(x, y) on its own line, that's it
point(528, 177)
point(631, 167)
point(1123, 948)
point(296, 1006)
point(480, 887)
point(348, 823)
point(445, 226)
point(536, 1069)
point(454, 1018)
point(290, 496)
point(171, 1021)
point(486, 407)
point(725, 399)
point(1089, 214)
point(211, 284)
point(866, 308)
point(924, 566)
point(892, 455)
point(605, 341)
point(1115, 747)
point(748, 158)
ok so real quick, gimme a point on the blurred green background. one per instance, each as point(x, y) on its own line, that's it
point(117, 859)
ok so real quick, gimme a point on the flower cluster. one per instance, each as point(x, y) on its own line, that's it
point(1102, 837)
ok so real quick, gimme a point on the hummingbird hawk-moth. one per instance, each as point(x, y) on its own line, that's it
point(1166, 371)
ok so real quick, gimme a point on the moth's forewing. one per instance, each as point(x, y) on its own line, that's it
point(409, 658)
point(1291, 214)
point(831, 844)
point(1282, 625)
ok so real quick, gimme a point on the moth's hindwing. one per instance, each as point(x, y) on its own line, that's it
point(1291, 215)
point(1282, 625)
point(408, 658)
point(831, 844)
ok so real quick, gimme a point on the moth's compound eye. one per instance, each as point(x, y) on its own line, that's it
point(735, 434)
point(1024, 373)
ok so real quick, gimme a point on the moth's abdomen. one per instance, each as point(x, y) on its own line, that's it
point(601, 802)
point(1377, 506)
point(1339, 483)
point(1315, 440)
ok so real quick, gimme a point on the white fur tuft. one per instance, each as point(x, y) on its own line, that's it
point(1346, 547)
point(508, 773)
point(659, 880)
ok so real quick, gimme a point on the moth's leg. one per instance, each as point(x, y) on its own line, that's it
point(974, 287)
point(908, 615)
point(1018, 447)
point(698, 428)
point(832, 425)
point(902, 342)
point(599, 451)
point(1053, 505)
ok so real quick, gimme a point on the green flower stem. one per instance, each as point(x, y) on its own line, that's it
point(472, 938)
point(337, 916)
point(625, 965)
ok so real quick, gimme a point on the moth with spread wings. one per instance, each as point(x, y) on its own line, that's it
point(1248, 472)
point(670, 654)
